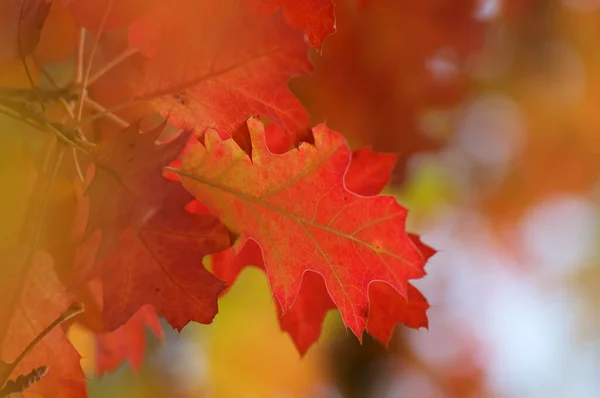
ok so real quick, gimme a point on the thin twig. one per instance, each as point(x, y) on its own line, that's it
point(67, 107)
point(79, 58)
point(78, 83)
point(109, 115)
point(78, 169)
point(88, 69)
point(116, 61)
point(75, 143)
point(108, 111)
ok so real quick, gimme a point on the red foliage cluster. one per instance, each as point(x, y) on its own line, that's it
point(279, 194)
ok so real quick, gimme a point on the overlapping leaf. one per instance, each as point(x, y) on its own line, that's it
point(367, 174)
point(212, 64)
point(32, 299)
point(127, 187)
point(348, 239)
point(141, 242)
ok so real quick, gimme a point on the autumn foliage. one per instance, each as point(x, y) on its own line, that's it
point(177, 139)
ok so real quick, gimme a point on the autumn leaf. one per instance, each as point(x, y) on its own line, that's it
point(159, 264)
point(212, 64)
point(349, 240)
point(315, 17)
point(128, 185)
point(32, 300)
point(140, 241)
point(367, 175)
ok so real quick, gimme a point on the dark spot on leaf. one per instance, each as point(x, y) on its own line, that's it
point(364, 311)
point(180, 98)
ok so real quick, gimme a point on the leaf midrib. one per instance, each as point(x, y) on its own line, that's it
point(292, 216)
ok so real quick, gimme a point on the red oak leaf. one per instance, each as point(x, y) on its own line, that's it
point(211, 64)
point(315, 17)
point(159, 264)
point(128, 185)
point(128, 342)
point(31, 299)
point(21, 24)
point(140, 241)
point(368, 173)
point(349, 240)
point(304, 319)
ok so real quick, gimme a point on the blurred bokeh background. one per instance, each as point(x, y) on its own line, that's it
point(494, 108)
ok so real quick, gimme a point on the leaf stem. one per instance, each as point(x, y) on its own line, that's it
point(109, 115)
point(88, 69)
point(79, 57)
point(113, 63)
point(107, 111)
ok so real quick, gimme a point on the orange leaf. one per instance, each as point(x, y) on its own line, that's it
point(31, 298)
point(296, 207)
point(128, 185)
point(140, 241)
point(368, 173)
point(159, 264)
point(212, 64)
